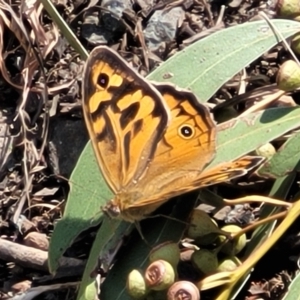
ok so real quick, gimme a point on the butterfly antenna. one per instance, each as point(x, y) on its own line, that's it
point(168, 218)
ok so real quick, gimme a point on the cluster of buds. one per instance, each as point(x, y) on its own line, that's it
point(160, 277)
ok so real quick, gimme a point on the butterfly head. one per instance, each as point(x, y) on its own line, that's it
point(123, 206)
point(117, 208)
point(112, 209)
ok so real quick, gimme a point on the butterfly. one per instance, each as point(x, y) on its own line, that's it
point(152, 140)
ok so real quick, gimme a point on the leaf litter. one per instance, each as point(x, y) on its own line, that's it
point(40, 87)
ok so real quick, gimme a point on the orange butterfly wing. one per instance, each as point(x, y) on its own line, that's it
point(125, 115)
point(186, 148)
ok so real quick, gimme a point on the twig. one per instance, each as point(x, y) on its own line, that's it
point(32, 258)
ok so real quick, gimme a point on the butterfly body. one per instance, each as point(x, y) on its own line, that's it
point(152, 141)
point(145, 197)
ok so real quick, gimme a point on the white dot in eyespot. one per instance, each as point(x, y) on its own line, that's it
point(185, 131)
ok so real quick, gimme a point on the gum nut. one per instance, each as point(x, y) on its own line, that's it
point(167, 251)
point(288, 76)
point(295, 44)
point(267, 150)
point(183, 290)
point(159, 275)
point(288, 8)
point(205, 261)
point(136, 285)
point(229, 264)
point(233, 247)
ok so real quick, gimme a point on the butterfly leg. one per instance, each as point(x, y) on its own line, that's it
point(139, 229)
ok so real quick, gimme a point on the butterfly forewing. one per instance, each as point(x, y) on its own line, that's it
point(125, 116)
